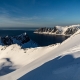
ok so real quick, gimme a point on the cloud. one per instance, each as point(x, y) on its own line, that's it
point(3, 11)
point(26, 18)
point(21, 21)
point(8, 21)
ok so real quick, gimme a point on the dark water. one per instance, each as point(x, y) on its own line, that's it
point(42, 40)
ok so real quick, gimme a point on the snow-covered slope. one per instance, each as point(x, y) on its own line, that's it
point(13, 57)
point(58, 62)
point(59, 30)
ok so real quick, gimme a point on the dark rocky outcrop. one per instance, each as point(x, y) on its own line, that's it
point(71, 30)
point(20, 39)
point(58, 30)
point(44, 29)
point(6, 40)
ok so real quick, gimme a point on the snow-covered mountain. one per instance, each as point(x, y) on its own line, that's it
point(54, 62)
point(59, 30)
point(23, 40)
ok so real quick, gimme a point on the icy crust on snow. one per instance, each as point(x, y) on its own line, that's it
point(58, 62)
point(59, 30)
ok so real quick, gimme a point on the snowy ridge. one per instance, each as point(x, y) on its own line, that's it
point(59, 30)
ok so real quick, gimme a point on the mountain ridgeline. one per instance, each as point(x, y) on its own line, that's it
point(58, 30)
point(22, 40)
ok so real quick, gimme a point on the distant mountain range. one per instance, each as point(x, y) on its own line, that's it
point(58, 30)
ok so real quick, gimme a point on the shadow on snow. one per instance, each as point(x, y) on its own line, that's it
point(47, 69)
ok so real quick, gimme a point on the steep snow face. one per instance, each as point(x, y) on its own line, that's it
point(22, 40)
point(61, 62)
point(58, 30)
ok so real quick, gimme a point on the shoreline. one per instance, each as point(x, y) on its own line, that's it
point(51, 34)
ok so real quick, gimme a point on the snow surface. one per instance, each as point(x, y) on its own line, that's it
point(13, 57)
point(54, 62)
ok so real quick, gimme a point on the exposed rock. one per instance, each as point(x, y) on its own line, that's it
point(21, 39)
point(59, 30)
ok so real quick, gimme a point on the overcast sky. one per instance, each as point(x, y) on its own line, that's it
point(39, 13)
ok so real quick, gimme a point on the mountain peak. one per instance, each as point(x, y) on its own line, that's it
point(21, 40)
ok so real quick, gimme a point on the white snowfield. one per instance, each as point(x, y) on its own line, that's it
point(58, 62)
